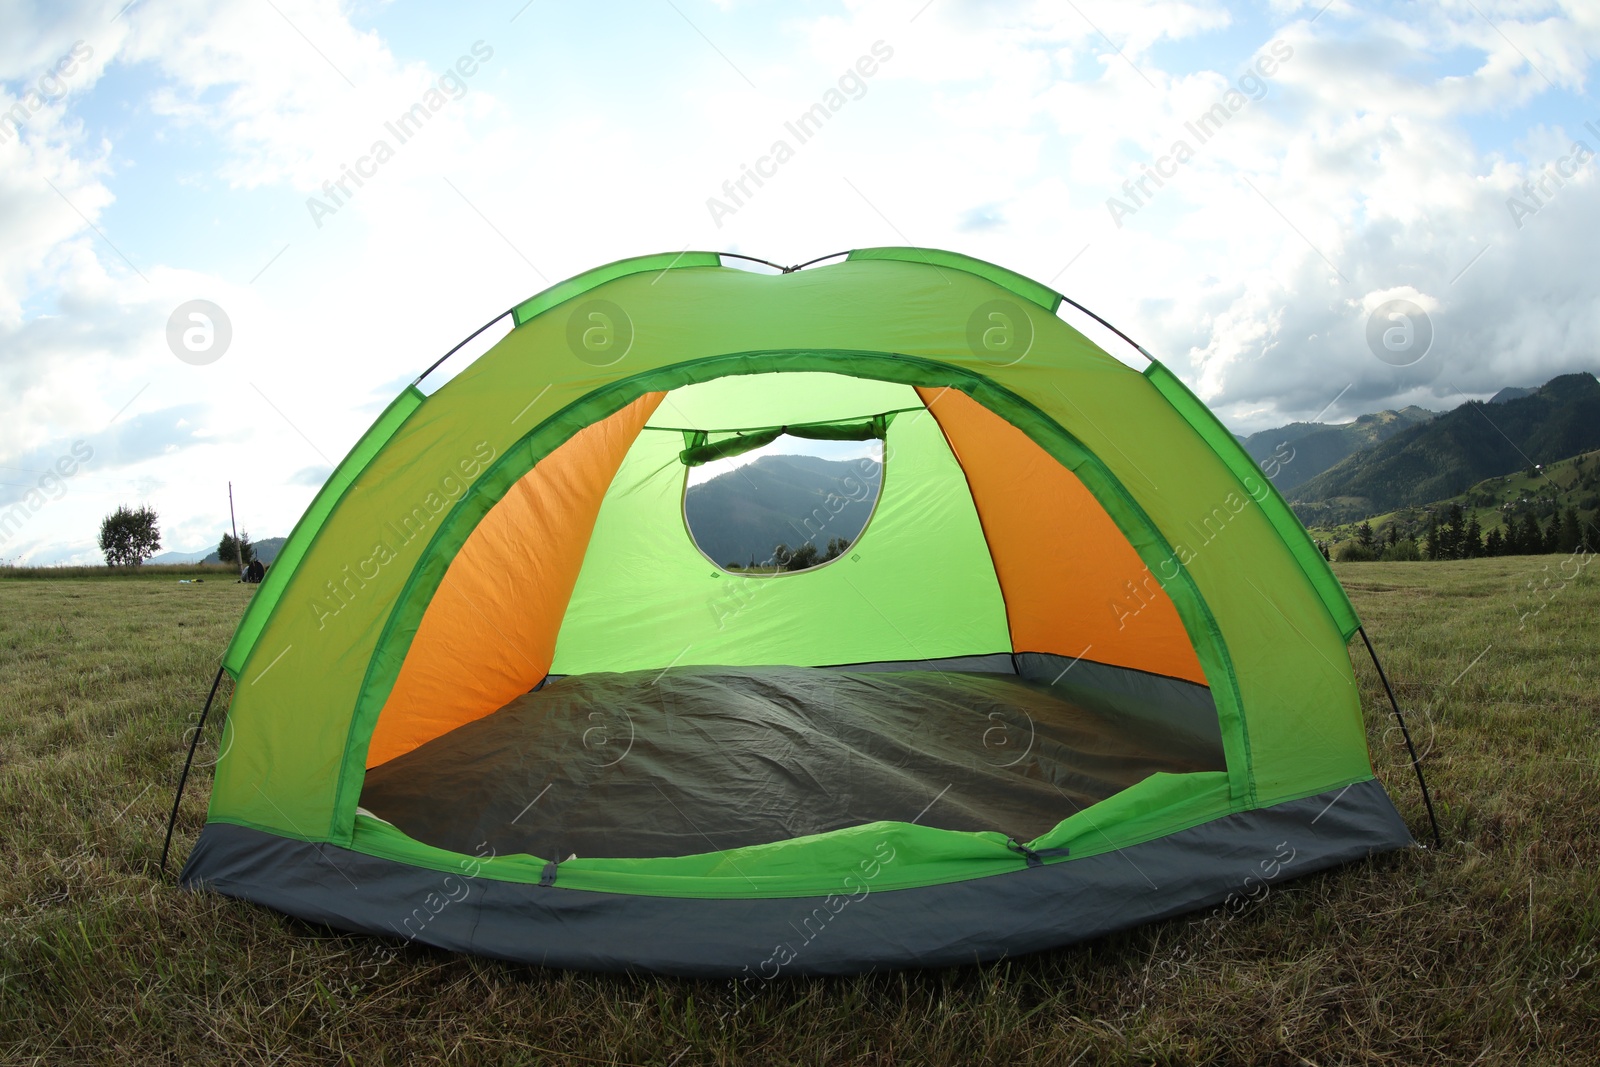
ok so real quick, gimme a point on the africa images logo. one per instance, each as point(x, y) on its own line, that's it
point(1399, 332)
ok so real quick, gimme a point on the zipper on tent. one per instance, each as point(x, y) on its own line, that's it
point(1035, 857)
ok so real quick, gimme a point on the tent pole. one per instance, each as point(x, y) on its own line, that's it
point(1416, 764)
point(435, 365)
point(183, 780)
point(753, 259)
point(238, 553)
point(1136, 345)
point(807, 263)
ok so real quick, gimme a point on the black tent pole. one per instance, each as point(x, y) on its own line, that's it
point(1416, 764)
point(435, 365)
point(183, 780)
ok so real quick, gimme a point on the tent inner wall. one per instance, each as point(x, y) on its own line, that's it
point(917, 584)
point(992, 547)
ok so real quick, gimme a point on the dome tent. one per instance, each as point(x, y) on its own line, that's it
point(1082, 669)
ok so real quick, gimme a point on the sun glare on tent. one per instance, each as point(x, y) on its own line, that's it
point(788, 506)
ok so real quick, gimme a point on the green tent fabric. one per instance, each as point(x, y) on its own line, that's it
point(1067, 551)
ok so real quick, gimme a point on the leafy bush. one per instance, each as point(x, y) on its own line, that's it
point(1404, 550)
point(1355, 552)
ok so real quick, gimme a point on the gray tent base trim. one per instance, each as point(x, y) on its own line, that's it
point(754, 940)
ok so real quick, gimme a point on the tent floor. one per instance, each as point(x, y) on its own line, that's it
point(705, 759)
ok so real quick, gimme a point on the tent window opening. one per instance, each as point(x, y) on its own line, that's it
point(782, 499)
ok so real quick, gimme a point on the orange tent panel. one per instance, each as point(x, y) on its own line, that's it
point(489, 633)
point(1073, 585)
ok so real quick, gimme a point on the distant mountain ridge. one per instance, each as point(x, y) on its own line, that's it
point(169, 558)
point(743, 514)
point(1447, 455)
point(266, 550)
point(1309, 448)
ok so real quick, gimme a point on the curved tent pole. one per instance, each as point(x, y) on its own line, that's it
point(1136, 345)
point(510, 310)
point(754, 259)
point(786, 270)
point(799, 266)
point(463, 344)
point(809, 262)
point(183, 780)
point(1416, 764)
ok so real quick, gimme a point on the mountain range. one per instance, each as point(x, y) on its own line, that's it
point(1449, 454)
point(167, 558)
point(266, 551)
point(1300, 451)
point(740, 516)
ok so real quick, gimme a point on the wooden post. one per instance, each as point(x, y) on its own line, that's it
point(238, 554)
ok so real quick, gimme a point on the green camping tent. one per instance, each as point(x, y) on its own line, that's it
point(1082, 668)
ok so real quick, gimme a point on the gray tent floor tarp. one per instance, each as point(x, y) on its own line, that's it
point(753, 940)
point(701, 759)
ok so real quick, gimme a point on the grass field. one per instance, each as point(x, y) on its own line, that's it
point(1484, 953)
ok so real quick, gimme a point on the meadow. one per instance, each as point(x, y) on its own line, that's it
point(1484, 952)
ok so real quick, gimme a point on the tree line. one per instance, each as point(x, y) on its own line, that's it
point(804, 557)
point(1461, 536)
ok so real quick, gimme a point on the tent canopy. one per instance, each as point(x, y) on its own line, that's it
point(1063, 549)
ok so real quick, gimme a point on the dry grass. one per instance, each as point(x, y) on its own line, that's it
point(1483, 954)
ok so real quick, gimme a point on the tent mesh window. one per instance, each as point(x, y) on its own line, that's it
point(784, 506)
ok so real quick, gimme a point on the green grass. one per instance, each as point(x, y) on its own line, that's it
point(1485, 953)
point(174, 571)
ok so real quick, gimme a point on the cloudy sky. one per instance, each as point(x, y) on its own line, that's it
point(169, 151)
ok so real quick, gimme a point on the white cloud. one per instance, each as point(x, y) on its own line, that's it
point(1381, 156)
